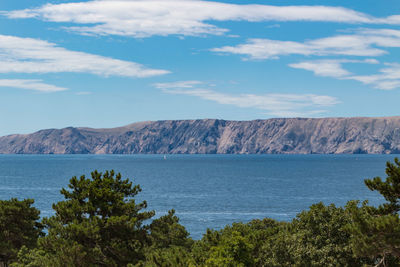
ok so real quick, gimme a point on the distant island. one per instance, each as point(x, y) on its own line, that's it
point(211, 136)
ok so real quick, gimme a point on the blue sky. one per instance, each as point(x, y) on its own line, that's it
point(109, 63)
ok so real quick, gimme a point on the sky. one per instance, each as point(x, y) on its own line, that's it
point(109, 63)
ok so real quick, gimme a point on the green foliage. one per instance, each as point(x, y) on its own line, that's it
point(99, 223)
point(317, 237)
point(389, 189)
point(279, 248)
point(170, 243)
point(202, 248)
point(321, 237)
point(258, 232)
point(39, 258)
point(374, 236)
point(236, 245)
point(173, 256)
point(233, 250)
point(375, 232)
point(18, 226)
point(166, 231)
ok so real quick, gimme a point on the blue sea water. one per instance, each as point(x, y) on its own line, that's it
point(207, 191)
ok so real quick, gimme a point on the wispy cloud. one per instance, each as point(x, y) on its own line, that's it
point(27, 55)
point(329, 67)
point(362, 43)
point(36, 85)
point(388, 78)
point(179, 84)
point(283, 105)
point(144, 18)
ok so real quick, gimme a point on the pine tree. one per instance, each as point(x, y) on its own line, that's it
point(376, 231)
point(389, 189)
point(98, 224)
point(19, 227)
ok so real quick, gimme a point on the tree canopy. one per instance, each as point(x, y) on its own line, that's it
point(19, 227)
point(100, 223)
point(375, 231)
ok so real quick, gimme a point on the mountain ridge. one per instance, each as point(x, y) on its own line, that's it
point(364, 135)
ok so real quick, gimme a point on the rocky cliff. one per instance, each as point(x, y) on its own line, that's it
point(298, 135)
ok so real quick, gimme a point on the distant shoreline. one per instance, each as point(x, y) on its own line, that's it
point(359, 135)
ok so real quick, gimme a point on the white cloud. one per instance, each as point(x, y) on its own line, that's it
point(329, 68)
point(36, 85)
point(284, 105)
point(26, 55)
point(179, 84)
point(362, 43)
point(144, 18)
point(388, 78)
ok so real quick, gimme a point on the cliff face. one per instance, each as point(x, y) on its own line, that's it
point(328, 135)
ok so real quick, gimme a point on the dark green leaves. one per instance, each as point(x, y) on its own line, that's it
point(19, 227)
point(389, 189)
point(375, 232)
point(99, 222)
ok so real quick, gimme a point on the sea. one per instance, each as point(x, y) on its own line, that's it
point(207, 191)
